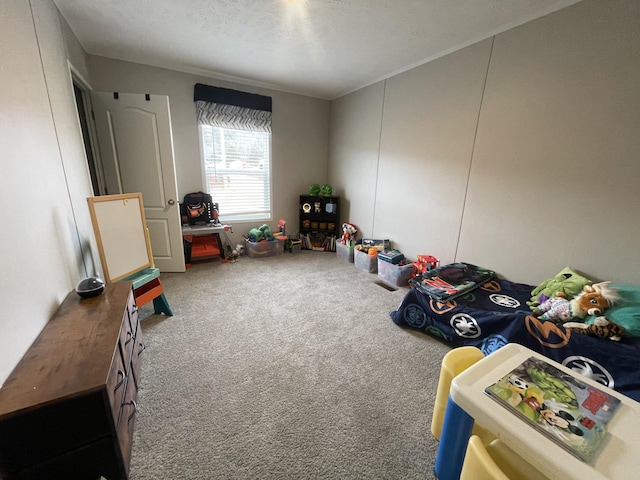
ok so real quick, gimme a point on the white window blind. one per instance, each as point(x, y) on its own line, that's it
point(237, 171)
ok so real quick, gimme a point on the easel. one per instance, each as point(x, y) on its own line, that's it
point(125, 250)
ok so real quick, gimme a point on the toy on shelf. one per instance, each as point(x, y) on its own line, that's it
point(326, 190)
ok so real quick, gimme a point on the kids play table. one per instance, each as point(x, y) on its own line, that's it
point(618, 460)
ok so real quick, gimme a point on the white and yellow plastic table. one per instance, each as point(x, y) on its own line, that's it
point(618, 460)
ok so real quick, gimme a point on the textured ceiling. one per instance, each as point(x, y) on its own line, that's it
point(320, 48)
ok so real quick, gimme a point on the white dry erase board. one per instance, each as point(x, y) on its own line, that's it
point(121, 234)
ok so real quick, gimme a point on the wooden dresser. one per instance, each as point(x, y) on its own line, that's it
point(67, 410)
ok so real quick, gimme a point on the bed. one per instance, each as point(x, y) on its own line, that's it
point(494, 313)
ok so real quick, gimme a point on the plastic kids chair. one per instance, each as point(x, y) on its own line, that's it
point(454, 363)
point(495, 462)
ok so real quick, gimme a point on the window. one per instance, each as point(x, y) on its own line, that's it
point(235, 143)
point(237, 171)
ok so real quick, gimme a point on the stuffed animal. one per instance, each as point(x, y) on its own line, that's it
point(255, 235)
point(593, 300)
point(266, 232)
point(567, 281)
point(348, 232)
point(326, 190)
point(262, 233)
point(602, 327)
point(232, 254)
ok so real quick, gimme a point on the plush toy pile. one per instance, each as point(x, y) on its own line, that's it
point(592, 300)
point(567, 282)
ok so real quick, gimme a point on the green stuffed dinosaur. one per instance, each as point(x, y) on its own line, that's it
point(255, 235)
point(266, 232)
point(262, 233)
point(567, 281)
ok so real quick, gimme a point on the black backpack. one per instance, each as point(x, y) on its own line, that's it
point(198, 208)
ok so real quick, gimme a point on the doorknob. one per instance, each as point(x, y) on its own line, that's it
point(171, 201)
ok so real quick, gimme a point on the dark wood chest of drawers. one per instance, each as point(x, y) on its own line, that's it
point(67, 410)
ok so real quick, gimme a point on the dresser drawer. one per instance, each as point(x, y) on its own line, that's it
point(30, 437)
point(127, 420)
point(117, 382)
point(127, 339)
point(89, 462)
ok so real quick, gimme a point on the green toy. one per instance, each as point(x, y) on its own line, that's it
point(567, 282)
point(326, 190)
point(255, 235)
point(266, 232)
point(314, 189)
point(262, 233)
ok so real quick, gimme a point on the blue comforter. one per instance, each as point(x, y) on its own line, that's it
point(496, 313)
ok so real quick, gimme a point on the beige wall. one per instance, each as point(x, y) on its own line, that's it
point(535, 170)
point(549, 179)
point(47, 241)
point(300, 131)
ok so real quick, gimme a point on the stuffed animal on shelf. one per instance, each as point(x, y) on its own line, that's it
point(602, 327)
point(349, 231)
point(593, 300)
point(326, 190)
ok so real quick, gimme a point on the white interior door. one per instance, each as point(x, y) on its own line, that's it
point(136, 146)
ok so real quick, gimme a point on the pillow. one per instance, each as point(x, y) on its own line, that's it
point(566, 281)
point(626, 311)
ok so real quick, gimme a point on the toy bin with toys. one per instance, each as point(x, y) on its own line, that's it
point(396, 275)
point(264, 248)
point(366, 260)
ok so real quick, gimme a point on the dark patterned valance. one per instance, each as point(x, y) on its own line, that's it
point(230, 116)
point(231, 97)
point(222, 107)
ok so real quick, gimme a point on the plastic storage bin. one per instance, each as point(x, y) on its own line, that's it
point(263, 249)
point(344, 252)
point(397, 275)
point(364, 261)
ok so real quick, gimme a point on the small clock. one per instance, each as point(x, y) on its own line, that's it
point(306, 208)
